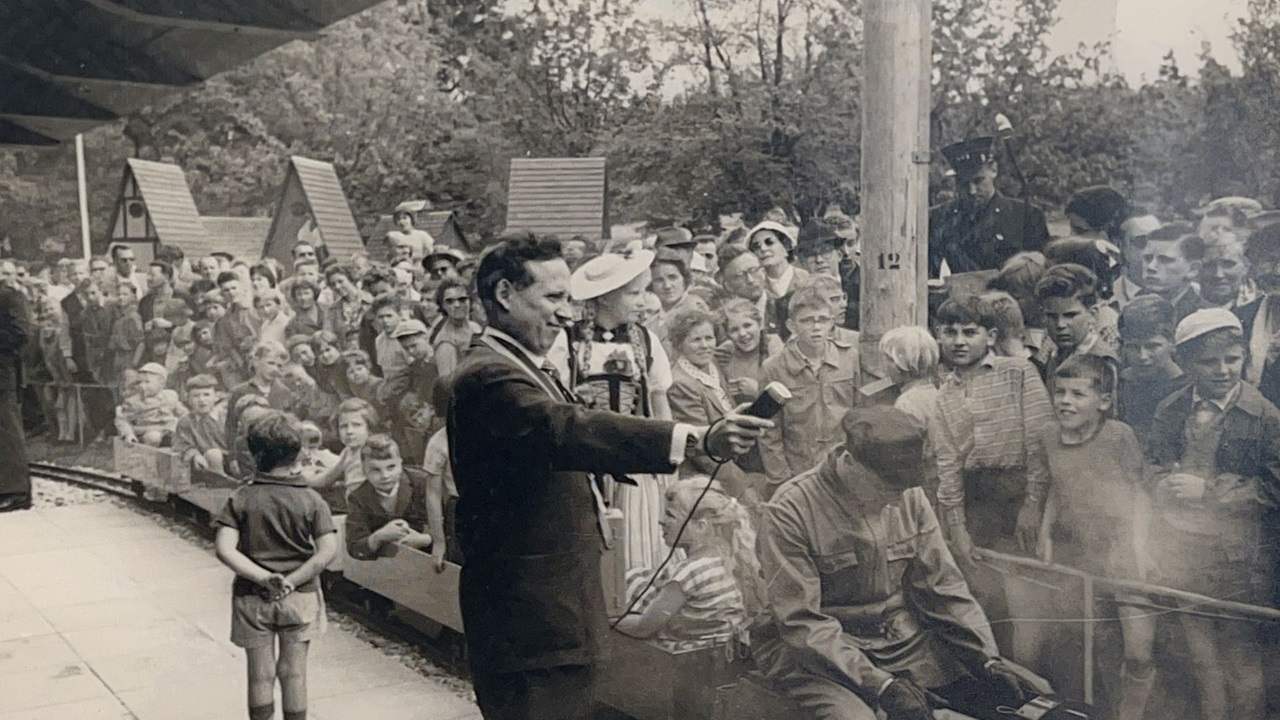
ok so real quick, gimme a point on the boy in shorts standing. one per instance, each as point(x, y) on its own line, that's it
point(276, 533)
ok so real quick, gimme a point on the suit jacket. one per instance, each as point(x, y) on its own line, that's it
point(530, 590)
point(365, 513)
point(985, 240)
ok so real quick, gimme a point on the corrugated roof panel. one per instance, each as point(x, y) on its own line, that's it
point(173, 212)
point(243, 237)
point(329, 206)
point(558, 196)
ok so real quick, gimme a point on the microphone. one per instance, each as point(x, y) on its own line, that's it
point(1004, 128)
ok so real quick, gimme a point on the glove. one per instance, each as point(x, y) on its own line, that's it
point(902, 700)
point(1018, 688)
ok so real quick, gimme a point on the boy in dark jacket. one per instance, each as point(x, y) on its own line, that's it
point(390, 507)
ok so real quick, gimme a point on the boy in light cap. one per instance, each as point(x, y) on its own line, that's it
point(150, 416)
point(1214, 452)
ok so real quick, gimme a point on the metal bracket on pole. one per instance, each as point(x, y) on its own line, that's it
point(921, 157)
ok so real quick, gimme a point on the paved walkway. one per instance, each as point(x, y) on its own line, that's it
point(105, 615)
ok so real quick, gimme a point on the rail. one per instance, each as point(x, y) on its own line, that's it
point(1092, 586)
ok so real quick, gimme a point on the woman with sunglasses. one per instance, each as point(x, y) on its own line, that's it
point(773, 244)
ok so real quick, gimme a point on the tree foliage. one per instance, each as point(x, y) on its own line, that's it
point(726, 106)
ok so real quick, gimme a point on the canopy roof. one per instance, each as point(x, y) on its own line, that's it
point(69, 65)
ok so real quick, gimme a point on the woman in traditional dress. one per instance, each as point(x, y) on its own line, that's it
point(617, 364)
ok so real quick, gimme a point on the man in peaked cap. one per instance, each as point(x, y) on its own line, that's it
point(981, 228)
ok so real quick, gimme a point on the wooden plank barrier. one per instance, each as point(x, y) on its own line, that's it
point(158, 469)
point(409, 578)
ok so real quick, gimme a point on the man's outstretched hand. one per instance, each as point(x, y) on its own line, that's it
point(736, 433)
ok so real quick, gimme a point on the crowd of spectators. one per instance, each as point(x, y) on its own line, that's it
point(1106, 403)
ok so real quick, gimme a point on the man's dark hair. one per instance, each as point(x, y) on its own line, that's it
point(165, 268)
point(294, 250)
point(1190, 244)
point(446, 285)
point(1085, 252)
point(274, 441)
point(966, 310)
point(1069, 281)
point(509, 260)
point(115, 250)
point(728, 253)
point(226, 276)
point(336, 268)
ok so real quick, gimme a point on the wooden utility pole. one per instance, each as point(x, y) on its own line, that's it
point(897, 66)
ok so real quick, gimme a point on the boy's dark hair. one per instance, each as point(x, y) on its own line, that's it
point(202, 381)
point(379, 447)
point(274, 441)
point(1214, 341)
point(807, 297)
point(356, 356)
point(1088, 366)
point(383, 301)
point(336, 268)
point(729, 252)
point(966, 310)
point(509, 260)
point(226, 276)
point(445, 286)
point(171, 254)
point(1069, 281)
point(1082, 251)
point(1147, 316)
point(301, 286)
point(1189, 243)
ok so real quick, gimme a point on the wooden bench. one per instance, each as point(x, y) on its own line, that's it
point(408, 577)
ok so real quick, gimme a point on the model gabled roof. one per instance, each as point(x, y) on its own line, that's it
point(558, 196)
point(155, 204)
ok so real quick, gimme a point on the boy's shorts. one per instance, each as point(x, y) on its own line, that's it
point(255, 622)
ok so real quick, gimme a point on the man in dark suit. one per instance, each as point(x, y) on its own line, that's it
point(981, 228)
point(529, 514)
point(15, 481)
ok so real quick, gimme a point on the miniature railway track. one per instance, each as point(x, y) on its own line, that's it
point(122, 487)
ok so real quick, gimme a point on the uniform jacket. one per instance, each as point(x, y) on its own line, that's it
point(861, 585)
point(984, 241)
point(809, 424)
point(365, 513)
point(526, 517)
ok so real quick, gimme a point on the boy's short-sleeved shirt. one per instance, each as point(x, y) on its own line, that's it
point(436, 460)
point(279, 521)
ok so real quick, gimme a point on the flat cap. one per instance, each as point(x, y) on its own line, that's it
point(1203, 322)
point(409, 328)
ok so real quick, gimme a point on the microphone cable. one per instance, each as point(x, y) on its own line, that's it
point(675, 542)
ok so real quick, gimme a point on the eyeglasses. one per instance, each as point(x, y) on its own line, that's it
point(753, 272)
point(754, 245)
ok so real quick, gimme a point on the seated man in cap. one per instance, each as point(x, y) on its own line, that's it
point(869, 609)
point(981, 228)
point(1214, 448)
point(150, 416)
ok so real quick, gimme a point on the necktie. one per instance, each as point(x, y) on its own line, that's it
point(554, 374)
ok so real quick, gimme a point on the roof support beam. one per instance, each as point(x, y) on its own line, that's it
point(11, 134)
point(182, 23)
point(32, 96)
